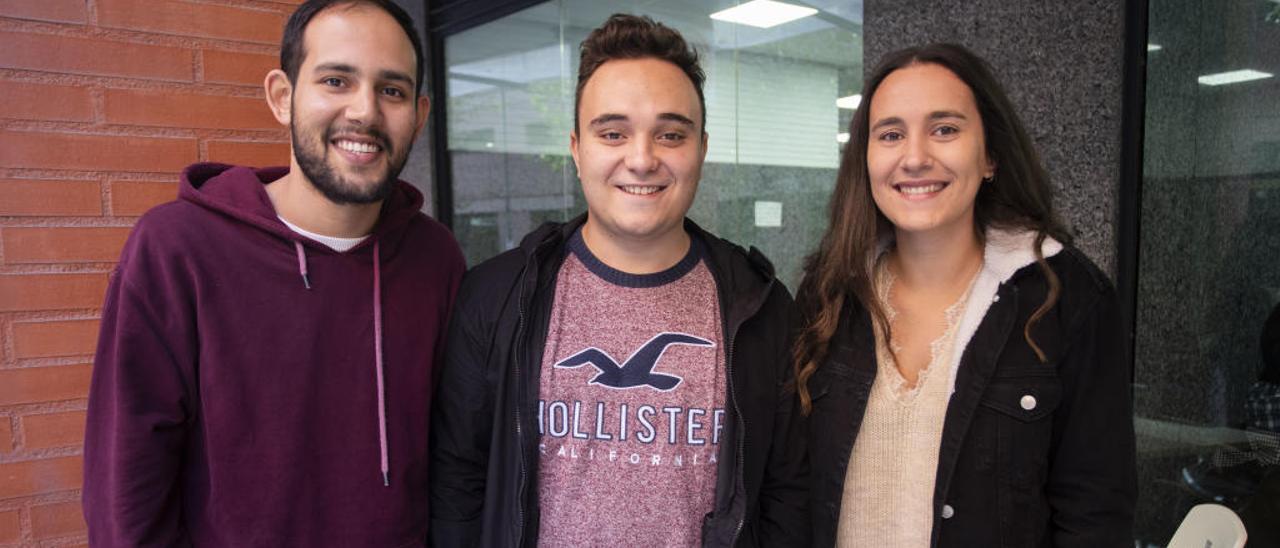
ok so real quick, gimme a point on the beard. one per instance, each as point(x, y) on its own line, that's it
point(312, 153)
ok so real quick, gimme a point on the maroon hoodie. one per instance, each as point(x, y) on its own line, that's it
point(245, 394)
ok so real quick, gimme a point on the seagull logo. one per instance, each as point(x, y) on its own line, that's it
point(638, 369)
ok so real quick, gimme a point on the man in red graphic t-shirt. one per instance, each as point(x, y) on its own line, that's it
point(623, 378)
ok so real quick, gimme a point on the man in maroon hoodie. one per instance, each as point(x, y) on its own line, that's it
point(264, 369)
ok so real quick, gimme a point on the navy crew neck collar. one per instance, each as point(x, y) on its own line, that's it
point(578, 246)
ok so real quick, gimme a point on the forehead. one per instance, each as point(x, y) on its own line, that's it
point(639, 87)
point(359, 35)
point(921, 89)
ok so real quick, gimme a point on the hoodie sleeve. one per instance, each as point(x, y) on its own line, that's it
point(139, 405)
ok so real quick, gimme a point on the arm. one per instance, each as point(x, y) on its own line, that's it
point(461, 427)
point(137, 416)
point(1092, 483)
point(784, 495)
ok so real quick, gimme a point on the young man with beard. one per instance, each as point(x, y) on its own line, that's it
point(622, 379)
point(268, 341)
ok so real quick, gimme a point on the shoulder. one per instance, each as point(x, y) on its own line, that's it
point(438, 242)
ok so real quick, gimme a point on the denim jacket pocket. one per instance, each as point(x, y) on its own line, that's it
point(1021, 412)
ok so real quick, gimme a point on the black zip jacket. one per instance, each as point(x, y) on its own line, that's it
point(1057, 469)
point(484, 439)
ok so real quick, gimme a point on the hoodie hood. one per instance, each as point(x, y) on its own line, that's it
point(240, 193)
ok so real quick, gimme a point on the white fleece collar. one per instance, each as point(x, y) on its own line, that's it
point(1006, 252)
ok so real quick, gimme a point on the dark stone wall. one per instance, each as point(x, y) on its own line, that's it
point(1062, 65)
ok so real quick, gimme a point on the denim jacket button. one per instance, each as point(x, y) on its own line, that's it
point(948, 511)
point(1028, 402)
point(996, 299)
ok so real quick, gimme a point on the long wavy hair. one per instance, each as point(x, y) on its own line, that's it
point(841, 270)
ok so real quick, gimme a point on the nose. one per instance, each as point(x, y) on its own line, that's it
point(641, 157)
point(916, 154)
point(363, 107)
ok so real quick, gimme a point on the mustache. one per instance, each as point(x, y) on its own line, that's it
point(374, 133)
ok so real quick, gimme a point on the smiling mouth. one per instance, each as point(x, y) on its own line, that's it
point(641, 190)
point(919, 189)
point(357, 147)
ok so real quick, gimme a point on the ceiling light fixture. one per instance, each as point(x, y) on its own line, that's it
point(851, 102)
point(763, 13)
point(1154, 47)
point(1233, 77)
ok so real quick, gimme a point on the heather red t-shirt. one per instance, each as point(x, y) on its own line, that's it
point(631, 404)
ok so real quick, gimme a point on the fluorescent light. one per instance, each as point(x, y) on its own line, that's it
point(851, 102)
point(1154, 47)
point(1233, 77)
point(842, 138)
point(763, 13)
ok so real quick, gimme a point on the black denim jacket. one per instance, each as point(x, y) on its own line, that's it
point(1056, 469)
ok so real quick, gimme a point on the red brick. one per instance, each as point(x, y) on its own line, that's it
point(132, 199)
point(238, 68)
point(188, 19)
point(53, 430)
point(26, 292)
point(43, 384)
point(249, 154)
point(63, 245)
point(94, 152)
point(64, 11)
point(6, 436)
point(57, 520)
point(151, 108)
point(50, 198)
point(41, 102)
point(37, 477)
point(10, 526)
point(53, 339)
point(92, 56)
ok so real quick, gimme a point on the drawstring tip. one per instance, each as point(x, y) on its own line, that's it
point(306, 281)
point(386, 480)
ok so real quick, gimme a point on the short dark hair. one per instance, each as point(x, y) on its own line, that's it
point(626, 36)
point(292, 50)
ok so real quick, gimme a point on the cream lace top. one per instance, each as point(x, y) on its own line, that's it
point(888, 489)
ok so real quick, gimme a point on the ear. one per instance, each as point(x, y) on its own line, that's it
point(424, 108)
point(573, 149)
point(704, 147)
point(989, 170)
point(279, 95)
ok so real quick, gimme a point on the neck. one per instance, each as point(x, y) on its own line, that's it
point(298, 201)
point(936, 261)
point(636, 256)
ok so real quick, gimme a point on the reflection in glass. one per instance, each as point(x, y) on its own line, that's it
point(772, 120)
point(1209, 273)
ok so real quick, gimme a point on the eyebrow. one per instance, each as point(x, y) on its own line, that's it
point(392, 75)
point(935, 115)
point(614, 117)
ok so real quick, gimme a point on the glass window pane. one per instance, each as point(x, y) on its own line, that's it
point(1209, 276)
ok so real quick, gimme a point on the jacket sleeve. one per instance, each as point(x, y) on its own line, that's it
point(461, 427)
point(784, 494)
point(1092, 485)
point(138, 412)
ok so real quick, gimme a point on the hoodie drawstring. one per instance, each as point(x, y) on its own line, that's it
point(302, 264)
point(377, 361)
point(377, 347)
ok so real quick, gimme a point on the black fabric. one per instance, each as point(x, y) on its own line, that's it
point(484, 457)
point(1061, 474)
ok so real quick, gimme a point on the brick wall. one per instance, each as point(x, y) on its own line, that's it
point(102, 102)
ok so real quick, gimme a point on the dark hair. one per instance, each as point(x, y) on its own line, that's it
point(292, 50)
point(1017, 196)
point(626, 36)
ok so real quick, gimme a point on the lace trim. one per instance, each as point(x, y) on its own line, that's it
point(939, 348)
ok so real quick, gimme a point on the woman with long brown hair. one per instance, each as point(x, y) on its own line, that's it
point(960, 362)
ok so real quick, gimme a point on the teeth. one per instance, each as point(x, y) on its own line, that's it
point(640, 190)
point(353, 146)
point(924, 189)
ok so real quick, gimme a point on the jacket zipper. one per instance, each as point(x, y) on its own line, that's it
point(520, 352)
